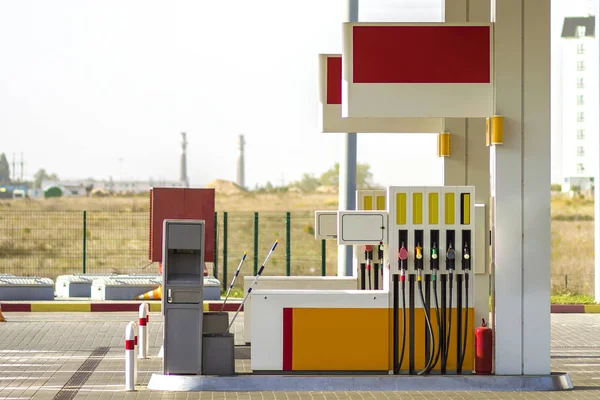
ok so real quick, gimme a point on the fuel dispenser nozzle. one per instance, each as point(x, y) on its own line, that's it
point(369, 257)
point(450, 258)
point(418, 257)
point(434, 261)
point(466, 258)
point(402, 259)
point(368, 254)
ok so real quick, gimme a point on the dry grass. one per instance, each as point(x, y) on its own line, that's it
point(48, 241)
point(572, 245)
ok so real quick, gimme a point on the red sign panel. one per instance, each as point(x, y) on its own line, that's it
point(421, 54)
point(334, 80)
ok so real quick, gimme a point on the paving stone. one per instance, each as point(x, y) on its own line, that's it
point(40, 352)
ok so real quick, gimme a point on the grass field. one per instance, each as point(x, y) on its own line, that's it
point(44, 237)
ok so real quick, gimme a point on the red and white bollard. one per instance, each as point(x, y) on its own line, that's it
point(130, 359)
point(143, 331)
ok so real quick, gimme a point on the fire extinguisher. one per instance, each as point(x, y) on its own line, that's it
point(483, 349)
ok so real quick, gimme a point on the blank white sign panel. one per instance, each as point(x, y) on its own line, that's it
point(362, 227)
point(326, 224)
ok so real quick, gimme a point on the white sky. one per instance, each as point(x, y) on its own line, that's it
point(84, 83)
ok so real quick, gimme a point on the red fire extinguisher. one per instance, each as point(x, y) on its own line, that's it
point(483, 349)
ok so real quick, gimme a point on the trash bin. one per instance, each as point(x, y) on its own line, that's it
point(218, 356)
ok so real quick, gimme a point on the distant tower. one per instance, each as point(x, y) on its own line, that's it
point(183, 177)
point(240, 162)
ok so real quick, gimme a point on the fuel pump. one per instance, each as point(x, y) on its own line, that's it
point(402, 267)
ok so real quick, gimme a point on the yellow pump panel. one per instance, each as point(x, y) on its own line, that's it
point(465, 208)
point(417, 208)
point(449, 208)
point(433, 209)
point(368, 203)
point(380, 203)
point(401, 208)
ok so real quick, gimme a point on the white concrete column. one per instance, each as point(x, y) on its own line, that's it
point(468, 163)
point(521, 187)
point(536, 213)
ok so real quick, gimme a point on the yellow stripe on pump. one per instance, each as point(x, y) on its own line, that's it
point(380, 203)
point(368, 203)
point(401, 208)
point(433, 209)
point(449, 208)
point(417, 208)
point(465, 208)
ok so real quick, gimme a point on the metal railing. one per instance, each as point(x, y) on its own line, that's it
point(52, 243)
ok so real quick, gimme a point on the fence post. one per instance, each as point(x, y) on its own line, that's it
point(287, 243)
point(323, 258)
point(84, 261)
point(255, 243)
point(224, 250)
point(216, 247)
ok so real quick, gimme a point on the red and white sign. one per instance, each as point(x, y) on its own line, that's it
point(393, 70)
point(330, 107)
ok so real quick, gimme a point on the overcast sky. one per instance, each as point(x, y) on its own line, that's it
point(85, 83)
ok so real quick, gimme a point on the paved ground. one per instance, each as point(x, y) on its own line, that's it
point(47, 355)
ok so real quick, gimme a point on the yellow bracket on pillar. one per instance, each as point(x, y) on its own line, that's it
point(494, 130)
point(443, 145)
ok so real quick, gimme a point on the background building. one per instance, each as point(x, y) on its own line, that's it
point(575, 99)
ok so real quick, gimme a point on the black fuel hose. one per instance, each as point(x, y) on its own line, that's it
point(429, 328)
point(439, 324)
point(450, 280)
point(403, 325)
point(464, 347)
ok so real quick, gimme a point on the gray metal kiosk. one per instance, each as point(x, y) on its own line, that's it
point(183, 277)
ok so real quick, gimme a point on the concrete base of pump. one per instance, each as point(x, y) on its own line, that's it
point(250, 383)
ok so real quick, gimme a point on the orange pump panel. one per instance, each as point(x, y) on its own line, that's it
point(180, 203)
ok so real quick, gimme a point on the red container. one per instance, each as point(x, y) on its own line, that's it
point(483, 350)
point(180, 203)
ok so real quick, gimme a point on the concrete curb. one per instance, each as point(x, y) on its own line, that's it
point(231, 306)
point(88, 306)
point(250, 383)
point(575, 308)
